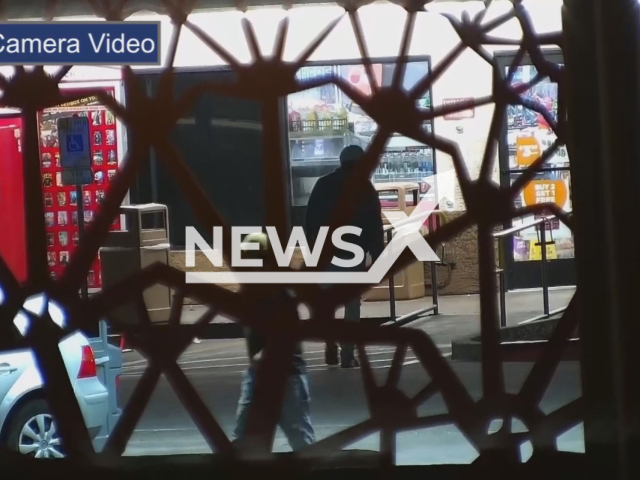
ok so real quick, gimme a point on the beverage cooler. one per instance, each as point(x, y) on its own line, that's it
point(60, 202)
point(405, 160)
point(315, 148)
point(323, 120)
point(12, 218)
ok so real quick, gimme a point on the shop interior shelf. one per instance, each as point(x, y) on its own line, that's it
point(308, 160)
point(306, 136)
point(410, 177)
point(319, 128)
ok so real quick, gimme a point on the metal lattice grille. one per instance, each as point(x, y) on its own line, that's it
point(268, 80)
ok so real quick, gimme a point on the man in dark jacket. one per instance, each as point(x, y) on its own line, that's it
point(367, 215)
point(295, 419)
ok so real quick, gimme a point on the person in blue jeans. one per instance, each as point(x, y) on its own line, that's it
point(366, 214)
point(295, 419)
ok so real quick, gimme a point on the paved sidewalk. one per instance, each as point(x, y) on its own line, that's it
point(521, 305)
point(459, 315)
point(214, 367)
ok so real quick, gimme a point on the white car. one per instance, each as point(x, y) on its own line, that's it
point(26, 424)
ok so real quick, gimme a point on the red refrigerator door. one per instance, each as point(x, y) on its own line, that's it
point(12, 216)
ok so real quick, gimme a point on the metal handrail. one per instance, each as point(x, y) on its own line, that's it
point(543, 266)
point(511, 231)
point(434, 308)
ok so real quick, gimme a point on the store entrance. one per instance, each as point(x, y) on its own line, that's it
point(525, 136)
point(323, 120)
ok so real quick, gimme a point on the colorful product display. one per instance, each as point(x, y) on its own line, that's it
point(405, 165)
point(60, 201)
point(324, 119)
point(528, 132)
point(528, 135)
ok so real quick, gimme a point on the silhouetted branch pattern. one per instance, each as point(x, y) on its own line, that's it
point(393, 109)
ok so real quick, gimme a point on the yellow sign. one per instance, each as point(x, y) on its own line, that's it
point(535, 251)
point(545, 191)
point(527, 150)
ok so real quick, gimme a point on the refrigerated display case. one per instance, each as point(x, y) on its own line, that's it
point(323, 120)
point(406, 160)
point(60, 201)
point(319, 128)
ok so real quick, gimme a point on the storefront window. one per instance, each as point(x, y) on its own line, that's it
point(528, 135)
point(323, 120)
point(548, 186)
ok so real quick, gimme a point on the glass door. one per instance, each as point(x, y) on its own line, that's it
point(525, 137)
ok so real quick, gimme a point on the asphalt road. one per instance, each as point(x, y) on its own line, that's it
point(338, 401)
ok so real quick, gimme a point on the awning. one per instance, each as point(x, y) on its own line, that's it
point(32, 9)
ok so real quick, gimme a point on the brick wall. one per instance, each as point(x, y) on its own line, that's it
point(463, 250)
point(464, 278)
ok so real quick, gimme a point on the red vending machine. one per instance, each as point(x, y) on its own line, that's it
point(12, 217)
point(60, 201)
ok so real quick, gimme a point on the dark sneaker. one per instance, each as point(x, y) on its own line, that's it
point(352, 363)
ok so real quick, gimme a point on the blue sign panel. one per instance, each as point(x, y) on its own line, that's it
point(80, 43)
point(75, 150)
point(74, 143)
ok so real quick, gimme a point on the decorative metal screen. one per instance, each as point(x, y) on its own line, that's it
point(261, 307)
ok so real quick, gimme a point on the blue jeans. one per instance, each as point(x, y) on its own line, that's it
point(295, 419)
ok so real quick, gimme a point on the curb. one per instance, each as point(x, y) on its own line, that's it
point(519, 343)
point(233, 330)
point(525, 351)
point(230, 330)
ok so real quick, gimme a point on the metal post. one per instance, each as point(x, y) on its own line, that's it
point(434, 287)
point(84, 290)
point(545, 283)
point(503, 300)
point(388, 447)
point(392, 287)
point(503, 283)
point(434, 272)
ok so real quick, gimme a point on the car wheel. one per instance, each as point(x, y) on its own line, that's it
point(33, 432)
